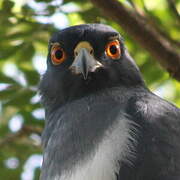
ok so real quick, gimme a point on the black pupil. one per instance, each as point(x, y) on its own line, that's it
point(59, 54)
point(113, 49)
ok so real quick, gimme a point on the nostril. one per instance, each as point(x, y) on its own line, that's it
point(91, 51)
point(76, 53)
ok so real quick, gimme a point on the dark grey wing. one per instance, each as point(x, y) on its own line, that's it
point(158, 149)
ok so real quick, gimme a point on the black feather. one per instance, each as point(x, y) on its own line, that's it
point(78, 111)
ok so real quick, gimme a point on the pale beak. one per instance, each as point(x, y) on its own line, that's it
point(84, 63)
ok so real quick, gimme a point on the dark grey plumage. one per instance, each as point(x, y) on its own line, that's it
point(108, 116)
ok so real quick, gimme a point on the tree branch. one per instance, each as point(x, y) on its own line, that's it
point(173, 9)
point(153, 21)
point(24, 132)
point(142, 32)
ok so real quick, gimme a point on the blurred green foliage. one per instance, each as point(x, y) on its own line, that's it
point(25, 29)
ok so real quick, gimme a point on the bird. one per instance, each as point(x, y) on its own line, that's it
point(101, 120)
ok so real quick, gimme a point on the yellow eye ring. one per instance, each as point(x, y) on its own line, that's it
point(58, 55)
point(113, 49)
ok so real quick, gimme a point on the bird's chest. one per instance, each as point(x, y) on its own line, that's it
point(89, 142)
point(103, 163)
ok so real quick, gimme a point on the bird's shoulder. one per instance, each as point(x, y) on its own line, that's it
point(158, 150)
point(158, 119)
point(154, 109)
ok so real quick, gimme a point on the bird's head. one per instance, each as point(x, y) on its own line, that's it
point(85, 59)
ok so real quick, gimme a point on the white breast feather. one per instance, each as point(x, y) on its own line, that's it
point(103, 164)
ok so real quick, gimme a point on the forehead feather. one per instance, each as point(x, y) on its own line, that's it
point(89, 27)
point(83, 30)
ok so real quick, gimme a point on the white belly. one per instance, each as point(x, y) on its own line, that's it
point(104, 163)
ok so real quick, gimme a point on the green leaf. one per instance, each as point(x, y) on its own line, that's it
point(6, 79)
point(21, 98)
point(7, 5)
point(31, 76)
point(9, 92)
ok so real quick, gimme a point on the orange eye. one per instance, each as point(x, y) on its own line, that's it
point(57, 54)
point(113, 49)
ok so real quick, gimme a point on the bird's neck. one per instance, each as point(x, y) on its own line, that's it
point(51, 103)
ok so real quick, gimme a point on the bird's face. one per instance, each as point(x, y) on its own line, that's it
point(85, 59)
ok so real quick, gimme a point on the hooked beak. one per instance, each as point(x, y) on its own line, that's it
point(84, 61)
